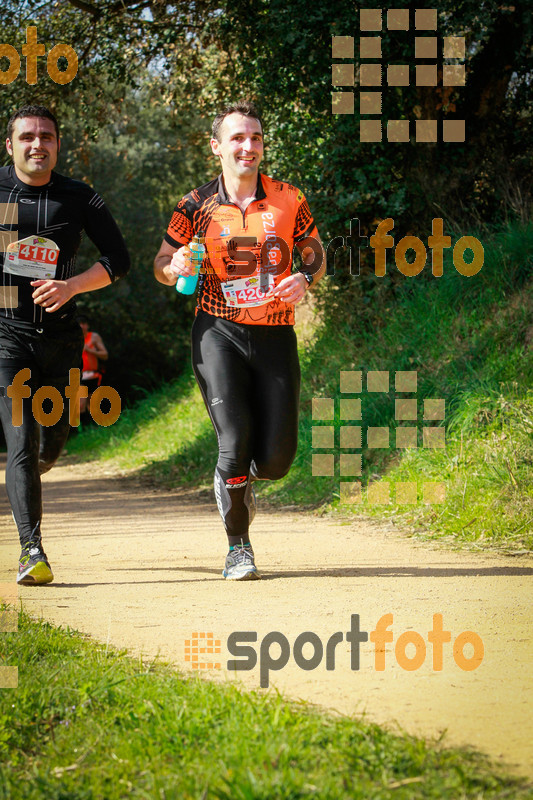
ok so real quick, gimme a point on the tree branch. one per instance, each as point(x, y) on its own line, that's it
point(87, 7)
point(122, 5)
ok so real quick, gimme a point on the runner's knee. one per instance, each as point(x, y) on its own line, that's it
point(275, 468)
point(46, 464)
point(52, 443)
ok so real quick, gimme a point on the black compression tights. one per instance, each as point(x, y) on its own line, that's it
point(33, 449)
point(249, 377)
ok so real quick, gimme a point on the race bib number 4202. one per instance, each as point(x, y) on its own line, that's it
point(253, 291)
point(33, 257)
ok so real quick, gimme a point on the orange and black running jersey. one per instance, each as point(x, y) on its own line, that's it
point(243, 246)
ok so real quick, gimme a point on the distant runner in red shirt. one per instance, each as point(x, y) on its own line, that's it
point(94, 351)
point(244, 349)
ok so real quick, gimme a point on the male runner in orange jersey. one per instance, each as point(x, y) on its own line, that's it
point(243, 343)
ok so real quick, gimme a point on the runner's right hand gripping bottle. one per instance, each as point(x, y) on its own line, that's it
point(187, 284)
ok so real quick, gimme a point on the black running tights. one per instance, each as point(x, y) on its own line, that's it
point(249, 377)
point(33, 449)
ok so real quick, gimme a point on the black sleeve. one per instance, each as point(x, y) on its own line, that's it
point(104, 232)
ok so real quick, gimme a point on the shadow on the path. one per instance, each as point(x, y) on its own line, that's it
point(354, 572)
point(336, 572)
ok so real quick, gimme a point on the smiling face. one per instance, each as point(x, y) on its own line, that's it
point(34, 147)
point(240, 148)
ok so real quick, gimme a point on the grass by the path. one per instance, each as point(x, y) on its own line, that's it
point(167, 436)
point(470, 342)
point(87, 723)
point(487, 468)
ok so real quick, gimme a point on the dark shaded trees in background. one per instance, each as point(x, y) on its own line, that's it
point(125, 130)
point(151, 75)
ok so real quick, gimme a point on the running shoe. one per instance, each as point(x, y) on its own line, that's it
point(240, 564)
point(34, 568)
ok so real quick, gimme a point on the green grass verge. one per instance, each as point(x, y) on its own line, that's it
point(487, 471)
point(86, 722)
point(470, 342)
point(468, 339)
point(167, 437)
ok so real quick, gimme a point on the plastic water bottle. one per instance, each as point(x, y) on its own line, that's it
point(187, 284)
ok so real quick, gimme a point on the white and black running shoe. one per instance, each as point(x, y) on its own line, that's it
point(240, 565)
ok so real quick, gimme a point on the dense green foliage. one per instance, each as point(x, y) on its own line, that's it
point(469, 339)
point(86, 723)
point(135, 124)
point(123, 131)
point(151, 75)
point(478, 359)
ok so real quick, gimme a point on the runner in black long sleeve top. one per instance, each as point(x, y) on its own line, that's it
point(61, 210)
point(42, 218)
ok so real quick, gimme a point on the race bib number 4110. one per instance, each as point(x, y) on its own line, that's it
point(33, 257)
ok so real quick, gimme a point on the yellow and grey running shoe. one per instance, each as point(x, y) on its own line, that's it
point(34, 568)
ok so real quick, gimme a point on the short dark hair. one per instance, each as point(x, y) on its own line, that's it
point(244, 107)
point(83, 318)
point(31, 111)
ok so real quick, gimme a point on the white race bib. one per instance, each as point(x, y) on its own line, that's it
point(33, 257)
point(253, 291)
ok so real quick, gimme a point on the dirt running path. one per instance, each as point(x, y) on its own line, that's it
point(141, 570)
